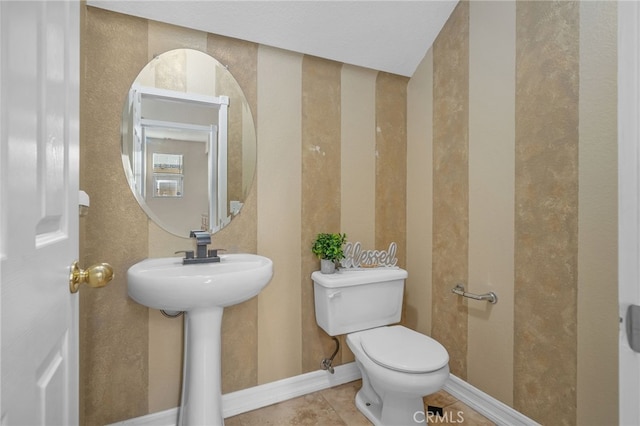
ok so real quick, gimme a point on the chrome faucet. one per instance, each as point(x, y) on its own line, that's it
point(202, 254)
point(203, 239)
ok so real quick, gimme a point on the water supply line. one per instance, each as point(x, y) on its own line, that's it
point(173, 314)
point(327, 362)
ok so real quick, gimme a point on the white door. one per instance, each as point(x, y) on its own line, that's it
point(39, 92)
point(629, 201)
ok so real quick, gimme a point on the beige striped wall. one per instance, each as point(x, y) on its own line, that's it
point(451, 164)
point(331, 157)
point(113, 329)
point(522, 98)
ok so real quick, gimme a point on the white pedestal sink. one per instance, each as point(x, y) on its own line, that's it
point(201, 291)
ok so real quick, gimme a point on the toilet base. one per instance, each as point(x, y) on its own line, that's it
point(371, 411)
point(412, 414)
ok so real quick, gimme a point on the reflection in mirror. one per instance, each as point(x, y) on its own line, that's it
point(188, 142)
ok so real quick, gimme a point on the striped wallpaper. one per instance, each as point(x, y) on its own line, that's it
point(491, 166)
point(523, 170)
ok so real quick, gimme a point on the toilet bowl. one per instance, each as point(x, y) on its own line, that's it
point(398, 365)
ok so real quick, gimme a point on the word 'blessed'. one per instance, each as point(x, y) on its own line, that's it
point(355, 257)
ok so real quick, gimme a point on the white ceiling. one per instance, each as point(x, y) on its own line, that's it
point(391, 36)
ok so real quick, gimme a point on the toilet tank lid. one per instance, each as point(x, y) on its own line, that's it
point(352, 277)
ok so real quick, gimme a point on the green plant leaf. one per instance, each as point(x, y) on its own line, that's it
point(329, 246)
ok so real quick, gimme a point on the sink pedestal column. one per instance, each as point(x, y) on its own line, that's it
point(201, 383)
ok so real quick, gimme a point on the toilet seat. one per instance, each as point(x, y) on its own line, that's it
point(401, 349)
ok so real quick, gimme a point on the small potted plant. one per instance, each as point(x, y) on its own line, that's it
point(328, 248)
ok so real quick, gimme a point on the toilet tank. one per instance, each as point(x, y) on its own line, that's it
point(354, 300)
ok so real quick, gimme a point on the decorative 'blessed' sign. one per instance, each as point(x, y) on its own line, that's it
point(355, 257)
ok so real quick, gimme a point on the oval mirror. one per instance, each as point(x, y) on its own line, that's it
point(188, 142)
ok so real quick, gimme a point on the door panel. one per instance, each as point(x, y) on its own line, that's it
point(39, 159)
point(629, 202)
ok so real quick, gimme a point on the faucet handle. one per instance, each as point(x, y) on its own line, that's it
point(188, 254)
point(214, 252)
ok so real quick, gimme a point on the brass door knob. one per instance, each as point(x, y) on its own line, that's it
point(94, 276)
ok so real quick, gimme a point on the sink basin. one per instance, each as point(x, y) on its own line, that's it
point(165, 283)
point(202, 291)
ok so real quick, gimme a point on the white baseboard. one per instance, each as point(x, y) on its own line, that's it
point(245, 400)
point(488, 406)
point(241, 401)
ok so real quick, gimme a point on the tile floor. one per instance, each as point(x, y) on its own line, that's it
point(336, 406)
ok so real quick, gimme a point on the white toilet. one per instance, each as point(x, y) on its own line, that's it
point(399, 366)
